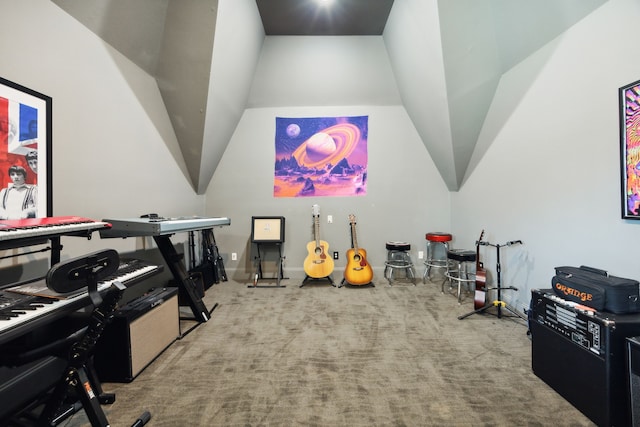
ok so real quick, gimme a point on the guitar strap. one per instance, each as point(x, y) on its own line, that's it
point(192, 250)
point(351, 232)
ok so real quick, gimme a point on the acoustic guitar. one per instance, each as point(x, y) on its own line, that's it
point(480, 297)
point(358, 270)
point(317, 264)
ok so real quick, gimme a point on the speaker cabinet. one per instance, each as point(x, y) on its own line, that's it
point(633, 367)
point(138, 333)
point(267, 229)
point(583, 357)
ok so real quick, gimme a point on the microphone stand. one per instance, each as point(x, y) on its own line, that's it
point(498, 303)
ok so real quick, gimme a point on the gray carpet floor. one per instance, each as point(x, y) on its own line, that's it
point(351, 356)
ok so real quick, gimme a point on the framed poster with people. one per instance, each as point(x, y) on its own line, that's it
point(25, 152)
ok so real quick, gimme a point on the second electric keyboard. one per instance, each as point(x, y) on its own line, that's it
point(21, 312)
point(47, 227)
point(158, 226)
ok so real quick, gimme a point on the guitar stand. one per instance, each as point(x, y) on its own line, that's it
point(498, 303)
point(258, 274)
point(344, 282)
point(307, 278)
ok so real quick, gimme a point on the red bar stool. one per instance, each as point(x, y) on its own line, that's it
point(437, 248)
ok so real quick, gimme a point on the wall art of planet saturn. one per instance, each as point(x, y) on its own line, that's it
point(323, 156)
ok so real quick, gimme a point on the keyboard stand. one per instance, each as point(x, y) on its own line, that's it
point(79, 373)
point(183, 280)
point(161, 229)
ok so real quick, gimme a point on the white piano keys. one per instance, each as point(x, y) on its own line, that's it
point(24, 317)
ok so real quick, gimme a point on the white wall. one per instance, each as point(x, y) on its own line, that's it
point(406, 196)
point(413, 38)
point(328, 76)
point(234, 59)
point(114, 152)
point(551, 176)
point(321, 71)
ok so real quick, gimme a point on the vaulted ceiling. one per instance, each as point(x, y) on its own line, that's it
point(480, 41)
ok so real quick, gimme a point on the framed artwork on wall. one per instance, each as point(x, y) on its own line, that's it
point(321, 156)
point(629, 97)
point(25, 152)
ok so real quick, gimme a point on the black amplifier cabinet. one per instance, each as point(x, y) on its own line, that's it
point(138, 333)
point(633, 368)
point(581, 354)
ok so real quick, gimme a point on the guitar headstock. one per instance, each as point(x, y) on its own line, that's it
point(316, 210)
point(480, 238)
point(352, 219)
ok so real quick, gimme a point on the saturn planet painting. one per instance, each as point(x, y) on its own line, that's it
point(324, 156)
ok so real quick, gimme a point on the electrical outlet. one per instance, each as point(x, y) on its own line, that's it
point(336, 255)
point(234, 256)
point(420, 254)
point(330, 219)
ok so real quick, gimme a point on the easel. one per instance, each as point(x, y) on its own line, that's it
point(498, 303)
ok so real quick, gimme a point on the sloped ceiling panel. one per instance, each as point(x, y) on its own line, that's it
point(135, 28)
point(447, 55)
point(172, 40)
point(483, 39)
point(183, 72)
point(412, 38)
point(235, 58)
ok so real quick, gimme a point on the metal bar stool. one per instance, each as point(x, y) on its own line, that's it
point(437, 248)
point(398, 258)
point(457, 269)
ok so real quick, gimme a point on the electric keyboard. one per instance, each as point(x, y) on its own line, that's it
point(158, 226)
point(25, 307)
point(11, 229)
